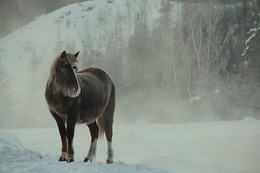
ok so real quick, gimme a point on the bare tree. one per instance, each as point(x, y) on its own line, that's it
point(203, 43)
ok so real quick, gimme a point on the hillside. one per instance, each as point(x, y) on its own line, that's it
point(26, 54)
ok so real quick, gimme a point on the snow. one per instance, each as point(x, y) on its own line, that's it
point(223, 147)
point(195, 99)
point(16, 159)
point(217, 91)
point(249, 119)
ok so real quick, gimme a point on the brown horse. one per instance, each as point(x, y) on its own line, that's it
point(87, 96)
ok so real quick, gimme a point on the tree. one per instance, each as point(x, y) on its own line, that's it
point(137, 49)
point(116, 56)
point(6, 99)
point(204, 44)
point(252, 43)
point(164, 62)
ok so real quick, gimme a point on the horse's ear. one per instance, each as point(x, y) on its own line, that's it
point(76, 54)
point(63, 54)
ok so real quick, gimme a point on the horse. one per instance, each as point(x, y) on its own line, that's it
point(85, 96)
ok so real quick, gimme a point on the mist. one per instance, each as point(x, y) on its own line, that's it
point(171, 62)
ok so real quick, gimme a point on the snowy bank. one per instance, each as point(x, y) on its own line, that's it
point(216, 147)
point(14, 158)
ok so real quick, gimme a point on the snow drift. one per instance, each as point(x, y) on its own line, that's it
point(14, 158)
point(219, 147)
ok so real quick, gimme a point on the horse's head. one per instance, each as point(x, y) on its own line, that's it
point(68, 62)
point(63, 74)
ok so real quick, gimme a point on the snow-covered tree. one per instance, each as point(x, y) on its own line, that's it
point(252, 42)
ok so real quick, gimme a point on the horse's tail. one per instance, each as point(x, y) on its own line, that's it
point(108, 113)
point(101, 126)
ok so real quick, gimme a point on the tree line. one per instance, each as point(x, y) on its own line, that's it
point(205, 50)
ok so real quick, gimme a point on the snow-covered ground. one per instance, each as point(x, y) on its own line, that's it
point(214, 147)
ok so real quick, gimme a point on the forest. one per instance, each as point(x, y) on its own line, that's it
point(200, 59)
point(205, 56)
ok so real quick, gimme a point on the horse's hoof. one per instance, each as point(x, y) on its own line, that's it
point(62, 159)
point(109, 161)
point(87, 160)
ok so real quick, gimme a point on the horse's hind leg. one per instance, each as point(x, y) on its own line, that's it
point(108, 116)
point(109, 134)
point(93, 128)
point(62, 130)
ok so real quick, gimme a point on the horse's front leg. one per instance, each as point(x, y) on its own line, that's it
point(70, 134)
point(93, 128)
point(62, 130)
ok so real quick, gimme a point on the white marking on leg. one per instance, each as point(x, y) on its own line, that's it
point(64, 155)
point(70, 158)
point(110, 152)
point(92, 151)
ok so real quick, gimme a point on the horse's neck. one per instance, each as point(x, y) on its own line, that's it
point(65, 87)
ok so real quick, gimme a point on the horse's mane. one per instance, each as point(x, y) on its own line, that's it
point(53, 70)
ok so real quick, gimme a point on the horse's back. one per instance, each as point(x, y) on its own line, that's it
point(96, 80)
point(97, 72)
